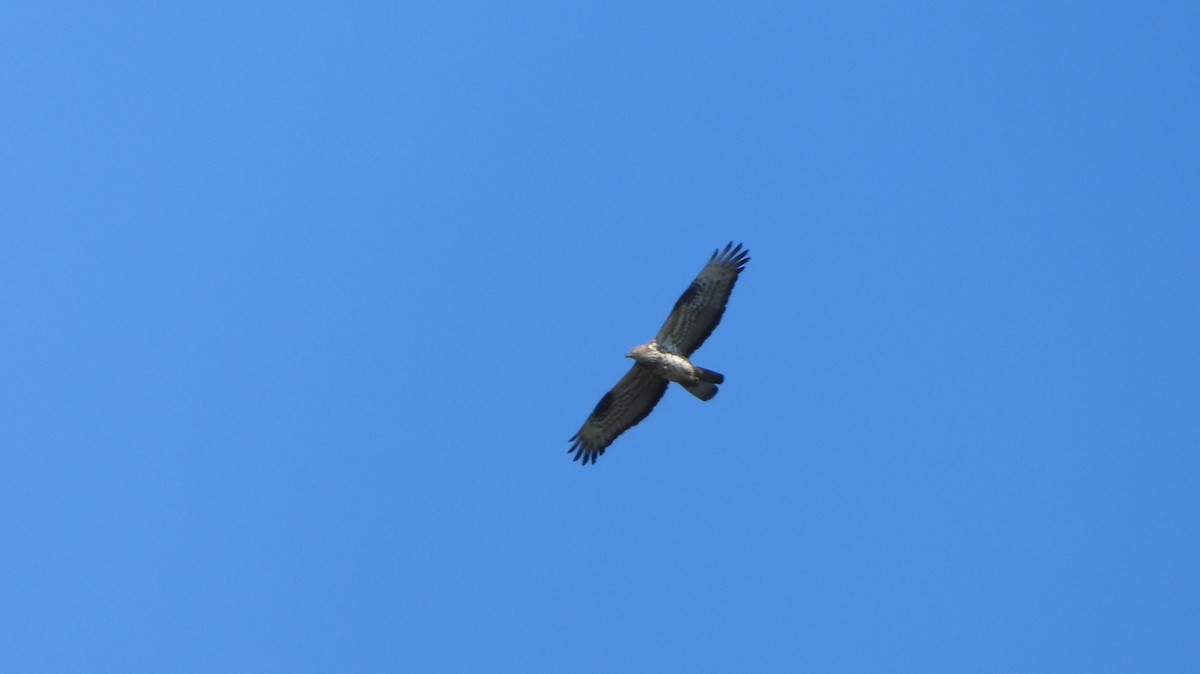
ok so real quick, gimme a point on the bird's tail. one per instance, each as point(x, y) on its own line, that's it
point(709, 376)
point(703, 390)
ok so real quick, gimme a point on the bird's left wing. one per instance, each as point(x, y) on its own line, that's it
point(620, 409)
point(701, 306)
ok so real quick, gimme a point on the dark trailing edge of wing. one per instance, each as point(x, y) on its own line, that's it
point(601, 406)
point(687, 295)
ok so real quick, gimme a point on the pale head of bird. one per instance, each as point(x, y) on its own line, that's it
point(641, 352)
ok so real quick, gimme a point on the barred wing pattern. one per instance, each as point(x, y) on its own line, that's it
point(701, 306)
point(620, 409)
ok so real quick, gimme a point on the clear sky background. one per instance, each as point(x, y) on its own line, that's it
point(301, 302)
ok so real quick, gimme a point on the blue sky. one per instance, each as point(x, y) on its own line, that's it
point(302, 301)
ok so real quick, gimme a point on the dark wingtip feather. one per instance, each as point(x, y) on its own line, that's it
point(582, 452)
point(736, 256)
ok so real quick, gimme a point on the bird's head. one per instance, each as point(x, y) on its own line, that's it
point(640, 352)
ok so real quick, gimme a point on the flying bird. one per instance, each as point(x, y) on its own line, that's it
point(665, 358)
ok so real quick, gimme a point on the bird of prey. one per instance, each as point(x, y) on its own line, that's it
point(665, 358)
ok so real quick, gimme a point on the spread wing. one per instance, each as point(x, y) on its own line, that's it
point(621, 408)
point(701, 306)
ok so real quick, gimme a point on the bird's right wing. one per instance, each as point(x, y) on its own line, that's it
point(701, 306)
point(619, 410)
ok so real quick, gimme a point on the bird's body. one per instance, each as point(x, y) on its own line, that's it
point(666, 357)
point(673, 367)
